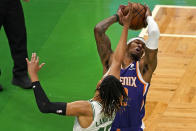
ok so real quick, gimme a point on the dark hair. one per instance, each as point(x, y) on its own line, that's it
point(112, 95)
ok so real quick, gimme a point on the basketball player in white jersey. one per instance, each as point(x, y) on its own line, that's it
point(98, 113)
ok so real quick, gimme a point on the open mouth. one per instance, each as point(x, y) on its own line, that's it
point(138, 50)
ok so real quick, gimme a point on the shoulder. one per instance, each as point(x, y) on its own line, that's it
point(79, 108)
point(95, 105)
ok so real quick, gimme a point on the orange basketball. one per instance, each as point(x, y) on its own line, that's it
point(138, 20)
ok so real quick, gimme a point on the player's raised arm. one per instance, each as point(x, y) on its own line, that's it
point(78, 108)
point(150, 58)
point(121, 47)
point(103, 41)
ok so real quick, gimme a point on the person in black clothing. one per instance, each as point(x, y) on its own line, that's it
point(12, 19)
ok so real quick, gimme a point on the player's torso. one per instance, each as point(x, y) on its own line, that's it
point(100, 122)
point(136, 89)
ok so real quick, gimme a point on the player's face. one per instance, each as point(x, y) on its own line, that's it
point(136, 48)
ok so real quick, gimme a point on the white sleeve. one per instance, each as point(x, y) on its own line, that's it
point(153, 33)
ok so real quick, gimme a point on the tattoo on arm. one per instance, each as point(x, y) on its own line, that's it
point(103, 41)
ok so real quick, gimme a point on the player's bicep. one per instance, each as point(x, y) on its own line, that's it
point(79, 108)
point(150, 59)
point(148, 65)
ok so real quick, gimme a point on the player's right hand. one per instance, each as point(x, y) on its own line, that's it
point(33, 65)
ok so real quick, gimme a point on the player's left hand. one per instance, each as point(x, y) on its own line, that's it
point(148, 13)
point(33, 65)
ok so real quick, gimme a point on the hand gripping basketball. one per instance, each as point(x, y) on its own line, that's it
point(139, 15)
point(128, 17)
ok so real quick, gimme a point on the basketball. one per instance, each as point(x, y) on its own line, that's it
point(138, 20)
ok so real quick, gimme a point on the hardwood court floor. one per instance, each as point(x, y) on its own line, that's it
point(171, 101)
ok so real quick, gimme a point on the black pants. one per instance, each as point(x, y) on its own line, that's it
point(12, 19)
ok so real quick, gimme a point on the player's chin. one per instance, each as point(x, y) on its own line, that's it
point(136, 56)
point(138, 53)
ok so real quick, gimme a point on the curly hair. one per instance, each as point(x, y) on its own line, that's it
point(112, 95)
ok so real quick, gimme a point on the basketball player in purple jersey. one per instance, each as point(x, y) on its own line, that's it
point(139, 63)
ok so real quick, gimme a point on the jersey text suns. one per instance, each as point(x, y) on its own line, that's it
point(128, 81)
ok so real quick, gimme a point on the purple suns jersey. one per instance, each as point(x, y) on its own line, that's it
point(130, 118)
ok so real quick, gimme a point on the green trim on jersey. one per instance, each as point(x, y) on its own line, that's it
point(93, 110)
point(98, 103)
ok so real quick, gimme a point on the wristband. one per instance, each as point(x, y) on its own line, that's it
point(117, 17)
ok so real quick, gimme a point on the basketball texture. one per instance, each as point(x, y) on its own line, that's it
point(138, 20)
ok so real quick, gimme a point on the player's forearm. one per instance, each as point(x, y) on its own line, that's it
point(44, 104)
point(102, 26)
point(34, 77)
point(119, 54)
point(121, 47)
point(152, 44)
point(153, 33)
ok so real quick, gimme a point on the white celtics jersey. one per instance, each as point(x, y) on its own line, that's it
point(99, 123)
